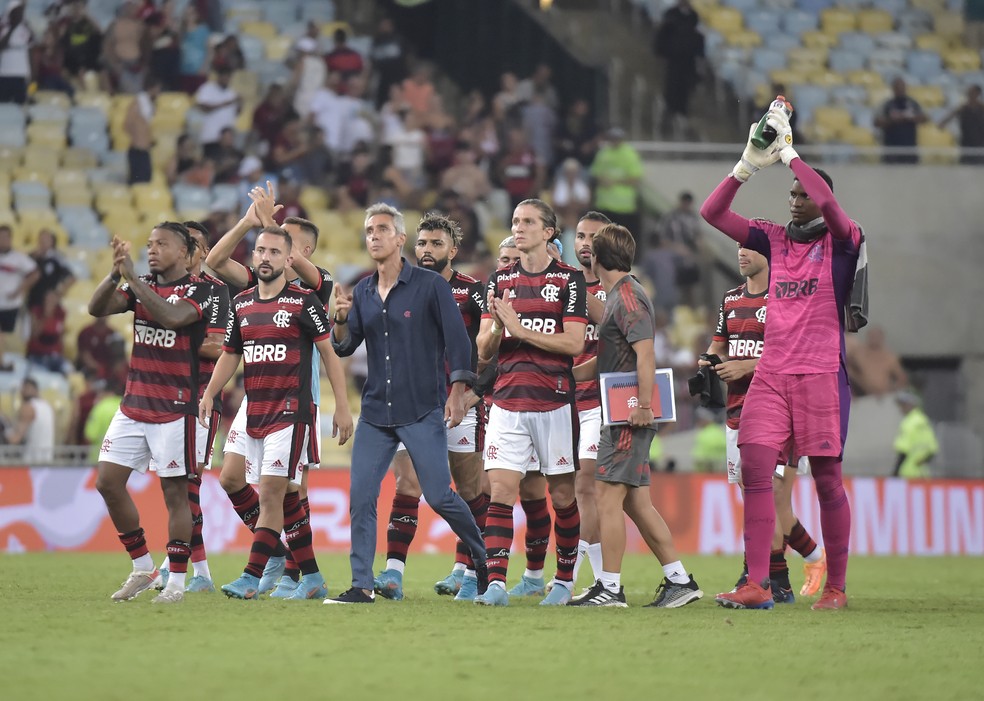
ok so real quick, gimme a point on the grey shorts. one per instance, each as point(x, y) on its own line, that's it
point(623, 455)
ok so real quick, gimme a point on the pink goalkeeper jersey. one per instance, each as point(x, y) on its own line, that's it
point(809, 285)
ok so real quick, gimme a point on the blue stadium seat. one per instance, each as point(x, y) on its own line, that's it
point(766, 60)
point(253, 49)
point(893, 40)
point(844, 61)
point(814, 6)
point(797, 21)
point(13, 136)
point(849, 94)
point(857, 42)
point(226, 197)
point(806, 98)
point(280, 12)
point(765, 22)
point(895, 7)
point(925, 65)
point(190, 197)
point(743, 5)
point(914, 22)
point(321, 11)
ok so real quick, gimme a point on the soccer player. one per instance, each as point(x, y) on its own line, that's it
point(209, 351)
point(508, 253)
point(281, 572)
point(273, 327)
point(625, 344)
point(799, 392)
point(534, 318)
point(437, 244)
point(414, 336)
point(154, 421)
point(739, 339)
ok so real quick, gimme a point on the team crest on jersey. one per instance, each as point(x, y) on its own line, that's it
point(491, 452)
point(760, 315)
point(550, 293)
point(173, 298)
point(106, 445)
point(816, 253)
point(282, 319)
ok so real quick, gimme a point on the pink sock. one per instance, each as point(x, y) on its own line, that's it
point(835, 517)
point(757, 465)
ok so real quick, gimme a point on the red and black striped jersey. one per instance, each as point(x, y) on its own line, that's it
point(218, 322)
point(162, 385)
point(741, 324)
point(532, 379)
point(275, 337)
point(322, 291)
point(468, 293)
point(588, 395)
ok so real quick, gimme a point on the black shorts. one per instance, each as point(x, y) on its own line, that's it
point(8, 320)
point(623, 455)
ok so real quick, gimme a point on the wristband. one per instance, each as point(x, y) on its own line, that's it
point(115, 277)
point(496, 329)
point(645, 407)
point(337, 321)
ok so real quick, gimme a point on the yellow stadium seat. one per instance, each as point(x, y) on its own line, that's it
point(66, 178)
point(244, 122)
point(313, 198)
point(858, 136)
point(44, 220)
point(962, 60)
point(168, 123)
point(933, 7)
point(52, 97)
point(411, 217)
point(877, 94)
point(866, 78)
point(46, 134)
point(329, 28)
point(818, 40)
point(745, 39)
point(193, 215)
point(875, 21)
point(150, 196)
point(41, 157)
point(949, 24)
point(786, 76)
point(261, 29)
point(836, 21)
point(930, 136)
point(100, 100)
point(725, 19)
point(10, 157)
point(826, 78)
point(928, 96)
point(703, 6)
point(79, 159)
point(73, 196)
point(932, 42)
point(153, 216)
point(833, 118)
point(334, 230)
point(113, 200)
point(174, 102)
point(36, 175)
point(806, 60)
point(247, 84)
point(278, 47)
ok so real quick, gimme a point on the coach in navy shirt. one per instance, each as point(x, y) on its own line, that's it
point(412, 327)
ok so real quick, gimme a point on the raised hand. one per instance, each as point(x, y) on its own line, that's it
point(264, 204)
point(343, 304)
point(754, 159)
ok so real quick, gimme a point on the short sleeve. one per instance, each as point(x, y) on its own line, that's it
point(313, 318)
point(199, 293)
point(634, 317)
point(233, 339)
point(218, 320)
point(721, 330)
point(493, 289)
point(325, 285)
point(575, 299)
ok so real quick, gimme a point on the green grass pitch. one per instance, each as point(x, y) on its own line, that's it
point(914, 630)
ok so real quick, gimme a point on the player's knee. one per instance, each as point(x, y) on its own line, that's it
point(232, 480)
point(109, 485)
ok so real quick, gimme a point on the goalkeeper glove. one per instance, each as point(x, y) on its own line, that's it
point(754, 159)
point(779, 121)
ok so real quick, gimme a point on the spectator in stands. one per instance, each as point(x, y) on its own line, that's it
point(539, 84)
point(227, 157)
point(872, 367)
point(46, 346)
point(505, 104)
point(272, 114)
point(99, 349)
point(577, 135)
point(540, 125)
point(35, 426)
point(343, 59)
point(187, 165)
point(20, 272)
point(16, 41)
point(459, 210)
point(571, 194)
point(289, 155)
point(681, 44)
point(137, 124)
point(309, 75)
point(123, 50)
point(970, 116)
point(465, 176)
point(54, 273)
point(290, 197)
point(228, 54)
point(354, 181)
point(325, 111)
point(476, 109)
point(83, 407)
point(359, 118)
point(418, 89)
point(441, 140)
point(680, 231)
point(220, 105)
point(520, 173)
point(915, 444)
point(49, 63)
point(389, 63)
point(164, 60)
point(390, 185)
point(659, 263)
point(410, 150)
point(898, 119)
point(195, 50)
point(81, 41)
point(617, 171)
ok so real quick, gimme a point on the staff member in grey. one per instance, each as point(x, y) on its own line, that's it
point(410, 323)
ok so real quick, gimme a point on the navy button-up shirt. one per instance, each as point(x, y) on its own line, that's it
point(408, 337)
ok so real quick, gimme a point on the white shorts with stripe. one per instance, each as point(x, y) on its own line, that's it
point(168, 448)
point(514, 438)
point(236, 438)
point(283, 453)
point(590, 433)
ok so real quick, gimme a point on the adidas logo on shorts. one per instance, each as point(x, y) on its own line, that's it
point(173, 465)
point(464, 441)
point(563, 461)
point(277, 463)
point(592, 448)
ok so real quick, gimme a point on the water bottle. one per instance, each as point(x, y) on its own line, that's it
point(764, 135)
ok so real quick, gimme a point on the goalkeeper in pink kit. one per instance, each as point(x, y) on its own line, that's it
point(799, 398)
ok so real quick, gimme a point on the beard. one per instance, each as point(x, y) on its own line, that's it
point(437, 265)
point(268, 275)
